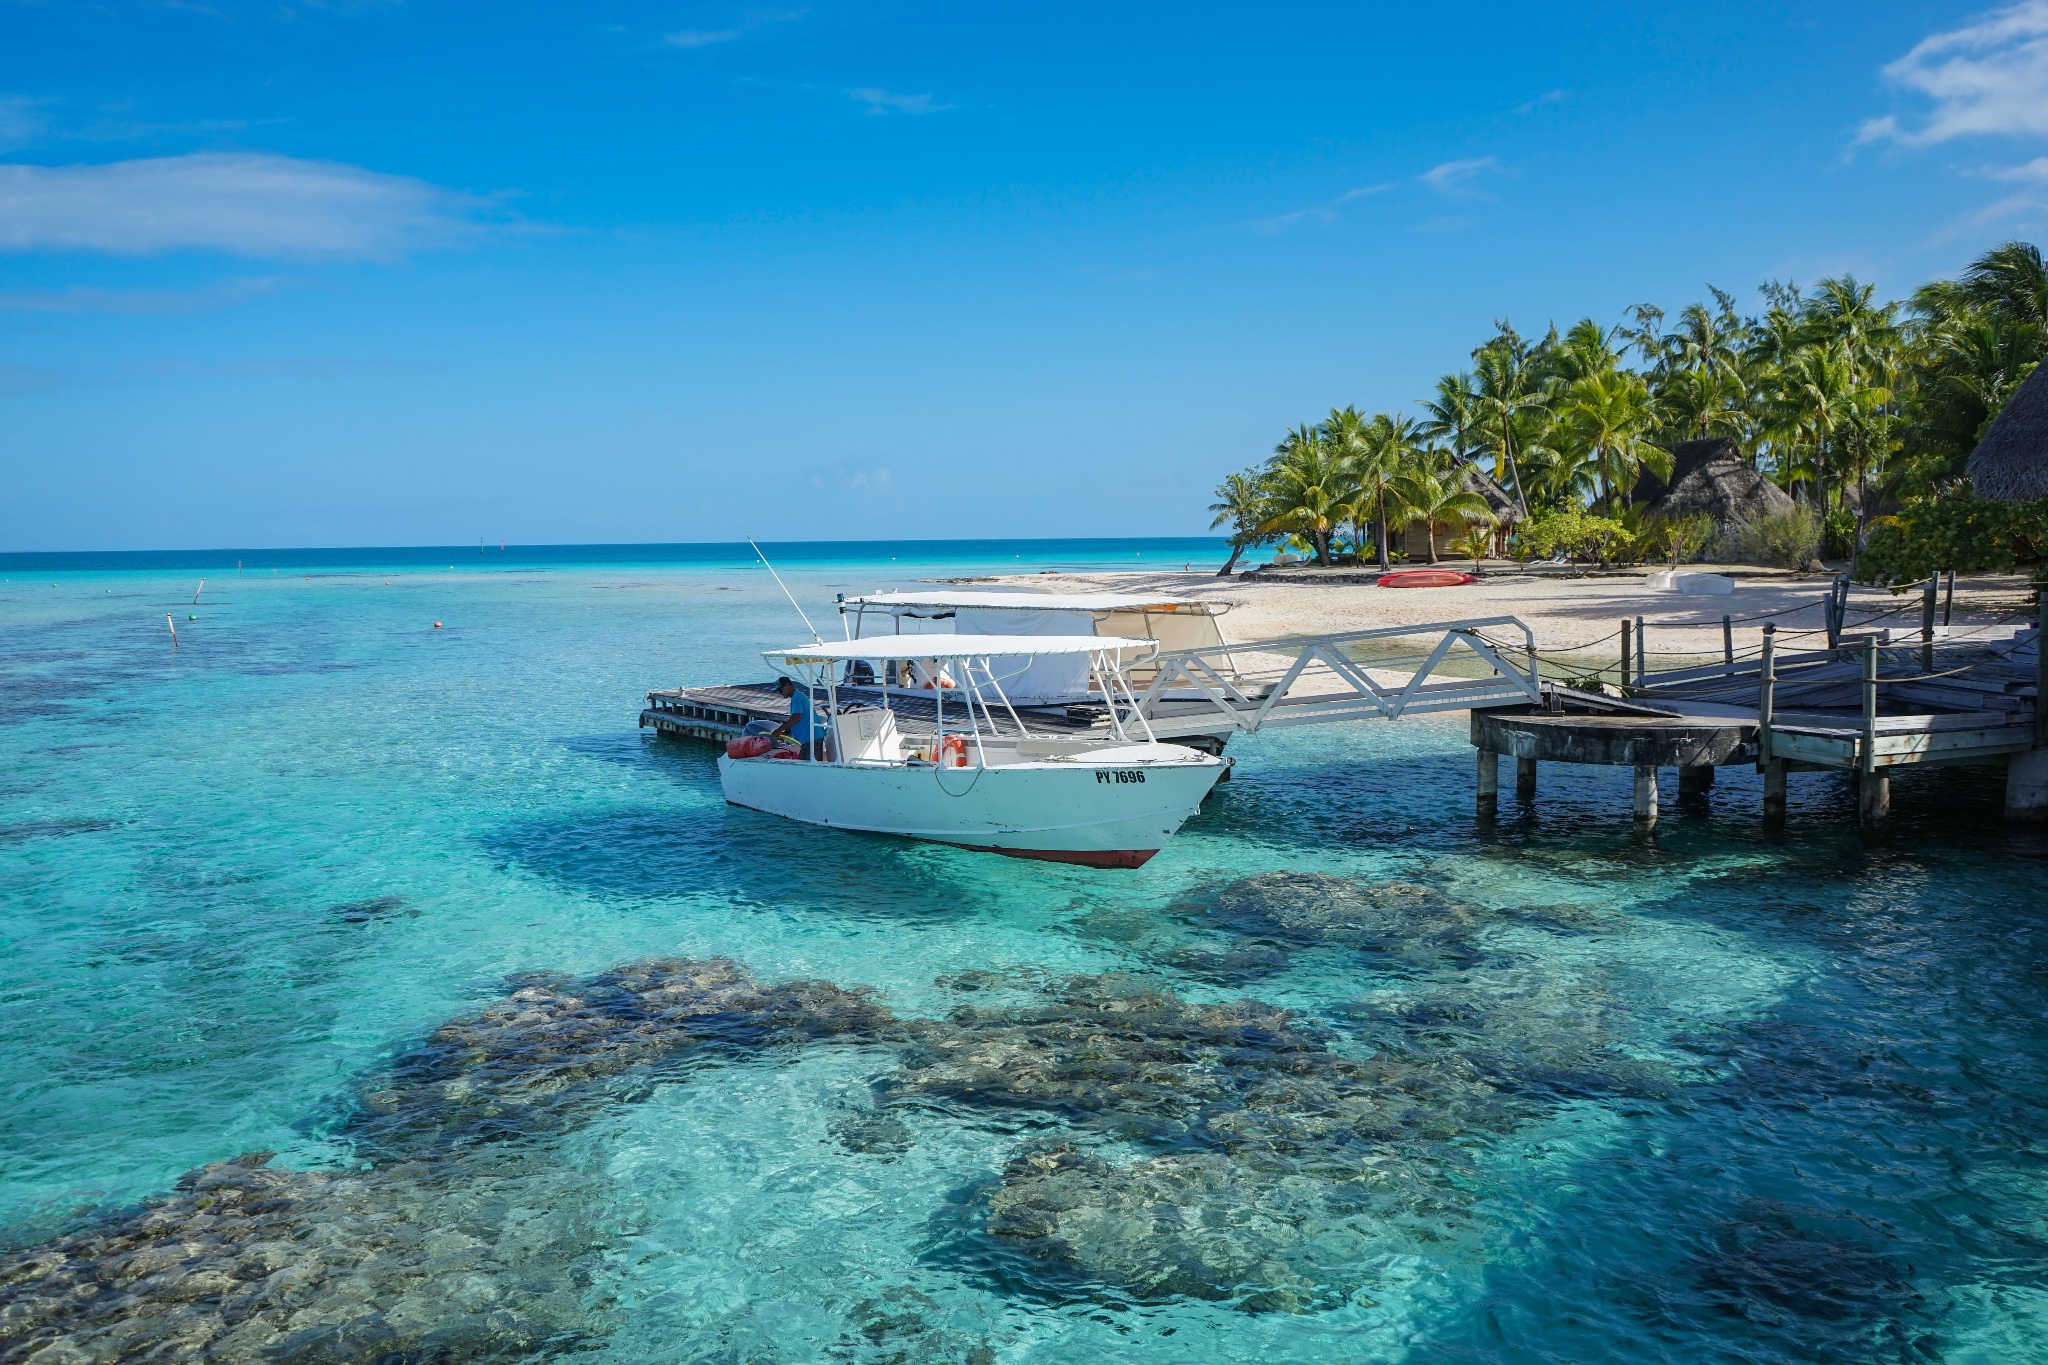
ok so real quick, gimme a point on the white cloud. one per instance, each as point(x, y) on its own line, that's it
point(706, 37)
point(1321, 213)
point(1989, 76)
point(701, 37)
point(881, 101)
point(1547, 97)
point(1455, 178)
point(2032, 172)
point(1280, 222)
point(85, 299)
point(243, 203)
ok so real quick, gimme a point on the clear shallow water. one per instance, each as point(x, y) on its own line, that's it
point(1708, 1097)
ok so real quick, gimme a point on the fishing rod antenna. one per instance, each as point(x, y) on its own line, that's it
point(815, 637)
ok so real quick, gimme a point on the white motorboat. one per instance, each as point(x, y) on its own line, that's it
point(1107, 801)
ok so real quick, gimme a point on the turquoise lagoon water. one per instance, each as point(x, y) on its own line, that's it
point(1743, 1098)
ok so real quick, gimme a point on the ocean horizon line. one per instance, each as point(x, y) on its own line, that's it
point(601, 552)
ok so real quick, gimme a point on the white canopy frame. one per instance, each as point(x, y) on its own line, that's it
point(816, 666)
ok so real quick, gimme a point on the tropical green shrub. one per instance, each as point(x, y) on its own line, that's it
point(1953, 530)
point(1685, 537)
point(1577, 533)
point(1838, 534)
point(1787, 540)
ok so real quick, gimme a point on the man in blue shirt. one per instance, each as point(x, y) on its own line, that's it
point(802, 725)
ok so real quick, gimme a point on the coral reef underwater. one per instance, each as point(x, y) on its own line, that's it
point(1225, 1150)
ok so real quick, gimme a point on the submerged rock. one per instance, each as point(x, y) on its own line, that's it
point(1276, 914)
point(246, 1263)
point(897, 1328)
point(535, 1058)
point(1276, 1157)
point(449, 1248)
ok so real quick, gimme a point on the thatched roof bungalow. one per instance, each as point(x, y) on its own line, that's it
point(2010, 463)
point(1711, 476)
point(1506, 513)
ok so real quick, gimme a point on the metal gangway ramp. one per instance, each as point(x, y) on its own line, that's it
point(1312, 679)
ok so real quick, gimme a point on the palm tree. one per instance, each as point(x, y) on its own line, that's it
point(1700, 402)
point(1812, 402)
point(1610, 415)
point(1307, 489)
point(2012, 281)
point(1477, 543)
point(1504, 393)
point(1348, 433)
point(1429, 491)
point(1391, 444)
point(1453, 413)
point(1241, 503)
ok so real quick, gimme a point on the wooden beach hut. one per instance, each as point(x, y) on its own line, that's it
point(1415, 538)
point(2010, 462)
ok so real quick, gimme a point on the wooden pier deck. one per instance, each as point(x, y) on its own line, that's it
point(1863, 708)
point(1865, 705)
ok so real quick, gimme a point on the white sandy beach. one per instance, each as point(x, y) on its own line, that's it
point(1569, 615)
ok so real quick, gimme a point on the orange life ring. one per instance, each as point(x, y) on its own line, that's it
point(952, 752)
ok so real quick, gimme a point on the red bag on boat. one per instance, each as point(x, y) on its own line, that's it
point(748, 746)
point(787, 753)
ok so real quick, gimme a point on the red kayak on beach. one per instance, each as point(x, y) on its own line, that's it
point(1427, 578)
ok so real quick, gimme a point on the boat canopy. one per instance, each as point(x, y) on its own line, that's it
point(1047, 681)
point(891, 648)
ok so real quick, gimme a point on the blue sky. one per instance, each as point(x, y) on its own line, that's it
point(399, 272)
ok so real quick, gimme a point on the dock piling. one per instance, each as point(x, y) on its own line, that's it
point(1696, 780)
point(1646, 798)
point(1489, 784)
point(2041, 671)
point(1642, 652)
point(1525, 777)
point(1728, 640)
point(1774, 791)
point(1624, 655)
point(1927, 624)
point(1767, 688)
point(1873, 788)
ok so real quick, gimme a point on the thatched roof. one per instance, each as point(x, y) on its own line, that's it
point(1711, 476)
point(2011, 462)
point(1475, 480)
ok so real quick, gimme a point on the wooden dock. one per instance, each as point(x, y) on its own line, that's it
point(1863, 708)
point(1864, 705)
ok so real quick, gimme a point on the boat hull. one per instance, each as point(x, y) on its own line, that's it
point(1099, 814)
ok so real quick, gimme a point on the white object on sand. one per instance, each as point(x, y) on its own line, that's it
point(1711, 584)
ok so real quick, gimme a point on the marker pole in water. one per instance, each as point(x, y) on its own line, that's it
point(786, 592)
point(196, 591)
point(174, 629)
